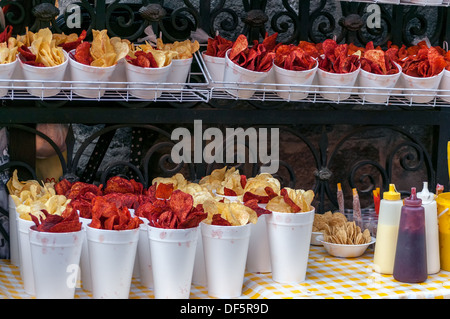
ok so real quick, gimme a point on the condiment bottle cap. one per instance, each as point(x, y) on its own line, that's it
point(392, 194)
point(413, 200)
point(425, 194)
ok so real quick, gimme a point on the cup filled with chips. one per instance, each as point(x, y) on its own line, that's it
point(147, 69)
point(379, 71)
point(289, 229)
point(245, 67)
point(422, 71)
point(8, 59)
point(94, 63)
point(258, 191)
point(338, 68)
point(43, 64)
point(181, 62)
point(55, 243)
point(226, 235)
point(214, 58)
point(112, 237)
point(293, 65)
point(173, 232)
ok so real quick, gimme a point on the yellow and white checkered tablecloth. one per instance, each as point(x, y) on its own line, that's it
point(327, 278)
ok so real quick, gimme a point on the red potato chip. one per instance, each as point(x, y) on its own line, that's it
point(83, 53)
point(260, 199)
point(69, 46)
point(67, 222)
point(27, 54)
point(243, 181)
point(181, 204)
point(270, 41)
point(378, 57)
point(239, 46)
point(6, 34)
point(289, 201)
point(218, 220)
point(106, 215)
point(218, 46)
point(229, 192)
point(164, 191)
point(253, 204)
point(310, 48)
point(63, 187)
point(118, 184)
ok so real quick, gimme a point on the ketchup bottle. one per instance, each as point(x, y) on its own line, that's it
point(410, 263)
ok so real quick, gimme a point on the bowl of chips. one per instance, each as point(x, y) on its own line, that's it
point(346, 240)
point(422, 73)
point(337, 69)
point(8, 63)
point(377, 71)
point(43, 64)
point(293, 65)
point(181, 62)
point(95, 62)
point(214, 58)
point(146, 75)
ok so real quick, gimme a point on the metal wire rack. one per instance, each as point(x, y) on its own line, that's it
point(444, 3)
point(195, 90)
point(315, 93)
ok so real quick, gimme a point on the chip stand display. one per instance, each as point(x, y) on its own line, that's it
point(297, 268)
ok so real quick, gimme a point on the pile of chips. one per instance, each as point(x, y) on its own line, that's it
point(292, 57)
point(377, 61)
point(259, 57)
point(8, 49)
point(31, 197)
point(427, 62)
point(291, 201)
point(177, 212)
point(68, 221)
point(262, 188)
point(103, 51)
point(336, 58)
point(218, 46)
point(43, 51)
point(225, 213)
point(106, 215)
point(328, 220)
point(346, 234)
point(227, 182)
point(184, 49)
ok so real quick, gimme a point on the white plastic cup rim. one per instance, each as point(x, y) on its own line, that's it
point(112, 236)
point(332, 75)
point(140, 69)
point(295, 72)
point(380, 76)
point(172, 235)
point(291, 219)
point(181, 62)
point(213, 59)
point(428, 78)
point(39, 69)
point(226, 232)
point(67, 236)
point(86, 67)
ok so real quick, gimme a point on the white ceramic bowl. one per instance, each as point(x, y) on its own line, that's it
point(314, 236)
point(348, 251)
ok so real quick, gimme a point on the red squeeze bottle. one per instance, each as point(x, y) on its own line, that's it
point(410, 263)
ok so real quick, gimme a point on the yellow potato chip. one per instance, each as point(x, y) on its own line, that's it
point(184, 49)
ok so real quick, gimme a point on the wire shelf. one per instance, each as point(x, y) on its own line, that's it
point(195, 90)
point(434, 3)
point(315, 93)
point(347, 95)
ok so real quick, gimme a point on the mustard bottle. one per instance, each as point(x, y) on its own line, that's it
point(387, 231)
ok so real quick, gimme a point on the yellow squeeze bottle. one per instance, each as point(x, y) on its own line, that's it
point(387, 231)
